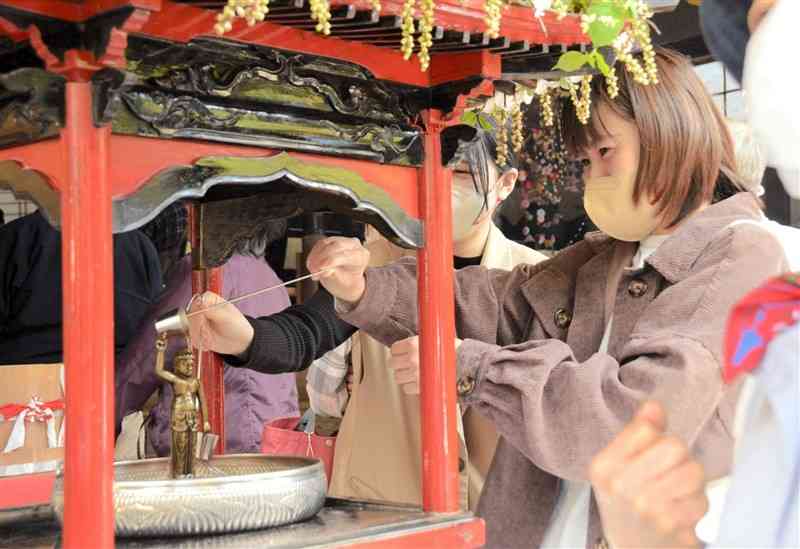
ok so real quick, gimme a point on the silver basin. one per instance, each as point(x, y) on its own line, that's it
point(230, 493)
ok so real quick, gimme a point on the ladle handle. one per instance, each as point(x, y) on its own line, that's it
point(177, 320)
point(257, 292)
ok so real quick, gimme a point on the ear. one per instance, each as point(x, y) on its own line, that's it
point(506, 182)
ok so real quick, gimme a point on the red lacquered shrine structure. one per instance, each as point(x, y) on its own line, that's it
point(112, 109)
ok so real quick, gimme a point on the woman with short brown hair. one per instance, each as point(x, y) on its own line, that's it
point(561, 354)
point(685, 149)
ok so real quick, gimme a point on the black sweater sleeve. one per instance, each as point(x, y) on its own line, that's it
point(290, 340)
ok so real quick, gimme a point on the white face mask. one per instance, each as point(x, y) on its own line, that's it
point(467, 206)
point(770, 86)
point(609, 204)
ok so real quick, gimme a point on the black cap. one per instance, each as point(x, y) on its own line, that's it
point(724, 24)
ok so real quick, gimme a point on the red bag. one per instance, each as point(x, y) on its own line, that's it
point(280, 438)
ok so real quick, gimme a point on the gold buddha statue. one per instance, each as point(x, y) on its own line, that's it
point(188, 402)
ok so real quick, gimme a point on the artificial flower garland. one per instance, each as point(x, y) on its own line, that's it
point(616, 25)
point(607, 22)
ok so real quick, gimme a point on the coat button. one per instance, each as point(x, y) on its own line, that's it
point(465, 386)
point(637, 287)
point(562, 318)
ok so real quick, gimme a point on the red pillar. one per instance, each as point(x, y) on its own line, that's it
point(437, 330)
point(212, 376)
point(88, 299)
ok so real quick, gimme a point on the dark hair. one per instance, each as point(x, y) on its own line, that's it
point(168, 233)
point(686, 157)
point(167, 230)
point(267, 232)
point(478, 148)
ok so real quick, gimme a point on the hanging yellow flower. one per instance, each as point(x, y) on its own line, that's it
point(618, 25)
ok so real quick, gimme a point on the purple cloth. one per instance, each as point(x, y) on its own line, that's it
point(251, 398)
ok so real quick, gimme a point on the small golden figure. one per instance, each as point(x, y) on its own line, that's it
point(187, 403)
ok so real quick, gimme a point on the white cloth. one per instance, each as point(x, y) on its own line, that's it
point(763, 507)
point(707, 529)
point(647, 247)
point(788, 236)
point(325, 384)
point(35, 411)
point(129, 445)
point(769, 91)
point(570, 523)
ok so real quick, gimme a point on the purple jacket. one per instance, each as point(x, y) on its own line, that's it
point(251, 398)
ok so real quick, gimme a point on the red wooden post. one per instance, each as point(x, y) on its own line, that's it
point(212, 376)
point(88, 297)
point(437, 330)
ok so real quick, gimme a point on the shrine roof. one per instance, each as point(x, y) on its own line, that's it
point(526, 43)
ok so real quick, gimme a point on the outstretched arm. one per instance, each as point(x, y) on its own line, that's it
point(161, 347)
point(288, 341)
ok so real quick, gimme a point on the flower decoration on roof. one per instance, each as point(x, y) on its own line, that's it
point(617, 24)
point(506, 108)
point(253, 11)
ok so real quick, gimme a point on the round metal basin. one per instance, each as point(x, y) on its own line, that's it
point(230, 493)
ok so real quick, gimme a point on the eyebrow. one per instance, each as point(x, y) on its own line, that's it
point(601, 139)
point(601, 136)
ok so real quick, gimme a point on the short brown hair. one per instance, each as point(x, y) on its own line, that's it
point(687, 156)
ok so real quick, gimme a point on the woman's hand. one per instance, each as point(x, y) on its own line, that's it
point(222, 329)
point(650, 492)
point(404, 363)
point(343, 261)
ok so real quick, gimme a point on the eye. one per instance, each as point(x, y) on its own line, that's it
point(585, 162)
point(604, 151)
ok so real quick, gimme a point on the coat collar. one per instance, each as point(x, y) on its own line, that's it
point(497, 253)
point(676, 256)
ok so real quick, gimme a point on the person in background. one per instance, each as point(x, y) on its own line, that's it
point(251, 398)
point(650, 489)
point(30, 289)
point(751, 163)
point(385, 400)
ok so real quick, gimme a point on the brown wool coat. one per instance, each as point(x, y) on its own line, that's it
point(531, 339)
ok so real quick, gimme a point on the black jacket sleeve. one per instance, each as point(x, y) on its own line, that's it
point(290, 340)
